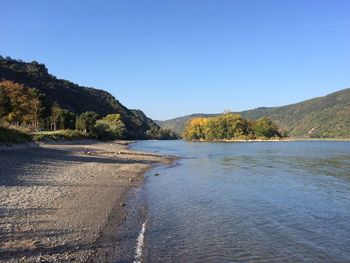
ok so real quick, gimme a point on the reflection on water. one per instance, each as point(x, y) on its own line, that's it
point(249, 202)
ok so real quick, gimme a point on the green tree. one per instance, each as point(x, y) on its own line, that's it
point(36, 111)
point(153, 133)
point(166, 134)
point(115, 124)
point(66, 119)
point(110, 127)
point(55, 112)
point(86, 121)
point(265, 128)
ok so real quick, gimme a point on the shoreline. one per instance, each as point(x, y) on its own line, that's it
point(292, 139)
point(72, 201)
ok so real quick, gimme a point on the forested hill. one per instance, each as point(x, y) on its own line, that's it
point(327, 116)
point(73, 97)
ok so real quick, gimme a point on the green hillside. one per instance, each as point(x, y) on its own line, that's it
point(327, 117)
point(75, 98)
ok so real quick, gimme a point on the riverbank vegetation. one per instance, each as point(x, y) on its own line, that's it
point(231, 126)
point(59, 135)
point(23, 118)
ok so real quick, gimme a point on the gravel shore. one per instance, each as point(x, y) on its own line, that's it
point(71, 202)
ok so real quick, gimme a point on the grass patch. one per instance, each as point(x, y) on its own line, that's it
point(60, 135)
point(8, 136)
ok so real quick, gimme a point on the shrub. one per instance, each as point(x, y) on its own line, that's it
point(60, 135)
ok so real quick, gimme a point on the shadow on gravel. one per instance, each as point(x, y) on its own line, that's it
point(16, 165)
point(20, 239)
point(43, 250)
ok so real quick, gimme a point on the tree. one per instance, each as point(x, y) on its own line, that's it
point(166, 134)
point(115, 124)
point(35, 111)
point(55, 111)
point(196, 129)
point(110, 127)
point(211, 130)
point(265, 128)
point(236, 126)
point(153, 133)
point(66, 119)
point(18, 103)
point(36, 107)
point(86, 121)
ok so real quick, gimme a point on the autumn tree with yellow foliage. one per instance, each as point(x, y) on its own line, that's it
point(230, 126)
point(19, 104)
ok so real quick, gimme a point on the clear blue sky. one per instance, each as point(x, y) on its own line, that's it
point(172, 58)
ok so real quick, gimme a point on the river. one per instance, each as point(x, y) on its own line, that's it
point(248, 202)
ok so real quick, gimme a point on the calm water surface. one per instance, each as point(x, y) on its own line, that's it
point(249, 202)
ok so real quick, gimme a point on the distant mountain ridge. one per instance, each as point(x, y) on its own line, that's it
point(73, 97)
point(327, 116)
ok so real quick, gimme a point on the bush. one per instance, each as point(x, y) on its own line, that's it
point(60, 135)
point(110, 127)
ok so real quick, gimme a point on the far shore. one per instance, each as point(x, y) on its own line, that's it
point(288, 139)
point(71, 201)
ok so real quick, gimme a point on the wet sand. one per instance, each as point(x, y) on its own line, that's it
point(71, 202)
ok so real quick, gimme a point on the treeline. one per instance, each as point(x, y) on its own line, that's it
point(231, 126)
point(21, 106)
